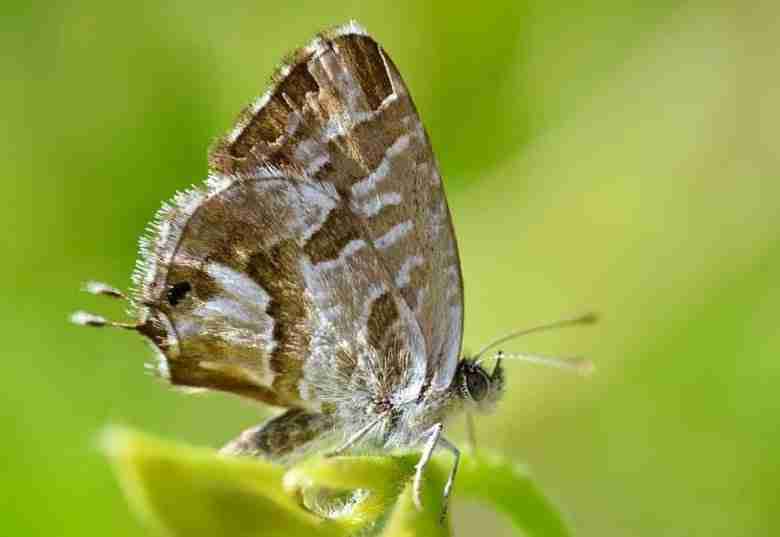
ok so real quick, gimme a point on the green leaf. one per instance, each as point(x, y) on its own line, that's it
point(185, 491)
point(389, 505)
point(507, 487)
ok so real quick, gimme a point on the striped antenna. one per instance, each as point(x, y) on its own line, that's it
point(576, 364)
point(588, 318)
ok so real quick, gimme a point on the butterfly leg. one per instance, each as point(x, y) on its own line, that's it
point(435, 439)
point(449, 446)
point(356, 437)
point(281, 436)
point(434, 434)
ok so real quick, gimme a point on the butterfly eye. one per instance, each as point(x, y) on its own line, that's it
point(477, 383)
point(177, 292)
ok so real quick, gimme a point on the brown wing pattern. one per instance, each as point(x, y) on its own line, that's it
point(320, 261)
point(257, 299)
point(341, 114)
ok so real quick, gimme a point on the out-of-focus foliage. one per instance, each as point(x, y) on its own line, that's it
point(607, 157)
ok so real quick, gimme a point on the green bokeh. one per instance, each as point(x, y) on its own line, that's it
point(610, 157)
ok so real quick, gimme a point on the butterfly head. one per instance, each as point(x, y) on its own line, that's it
point(478, 387)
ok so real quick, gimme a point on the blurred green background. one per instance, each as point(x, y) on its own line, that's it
point(617, 158)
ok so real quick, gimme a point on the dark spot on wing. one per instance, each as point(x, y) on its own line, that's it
point(177, 292)
point(338, 230)
point(362, 55)
point(384, 314)
point(185, 280)
point(387, 217)
point(297, 84)
point(275, 270)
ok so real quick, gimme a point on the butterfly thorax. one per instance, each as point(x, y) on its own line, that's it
point(403, 423)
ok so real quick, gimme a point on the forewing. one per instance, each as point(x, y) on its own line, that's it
point(340, 116)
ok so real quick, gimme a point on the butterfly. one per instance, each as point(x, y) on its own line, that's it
point(317, 270)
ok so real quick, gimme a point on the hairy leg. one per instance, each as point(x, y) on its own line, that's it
point(356, 437)
point(435, 439)
point(449, 446)
point(434, 433)
point(281, 437)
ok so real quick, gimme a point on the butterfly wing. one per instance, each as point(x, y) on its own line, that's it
point(341, 115)
point(302, 274)
point(268, 288)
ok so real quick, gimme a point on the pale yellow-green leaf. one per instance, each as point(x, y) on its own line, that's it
point(183, 491)
point(186, 491)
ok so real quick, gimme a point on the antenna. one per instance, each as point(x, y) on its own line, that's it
point(577, 364)
point(588, 318)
